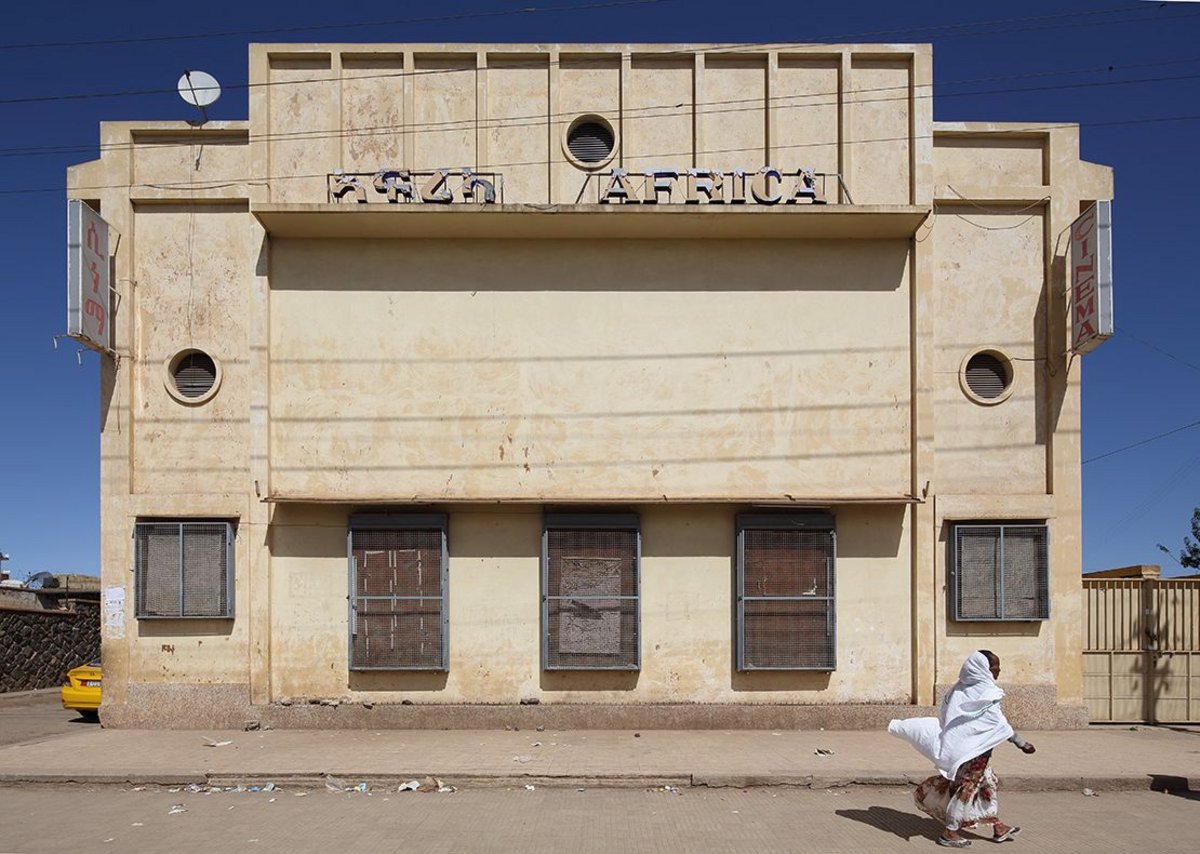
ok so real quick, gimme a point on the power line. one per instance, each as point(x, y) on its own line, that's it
point(1143, 442)
point(202, 185)
point(1156, 495)
point(431, 19)
point(703, 109)
point(1127, 334)
point(731, 49)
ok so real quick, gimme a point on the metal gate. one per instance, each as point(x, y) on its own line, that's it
point(1141, 649)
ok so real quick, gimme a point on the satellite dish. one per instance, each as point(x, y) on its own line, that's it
point(199, 89)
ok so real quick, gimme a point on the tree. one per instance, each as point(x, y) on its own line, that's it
point(1190, 555)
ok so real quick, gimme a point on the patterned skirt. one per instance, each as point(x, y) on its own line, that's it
point(967, 801)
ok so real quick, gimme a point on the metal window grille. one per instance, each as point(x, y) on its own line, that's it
point(591, 615)
point(1000, 572)
point(398, 581)
point(786, 607)
point(183, 569)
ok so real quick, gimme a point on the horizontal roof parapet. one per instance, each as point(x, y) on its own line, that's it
point(345, 221)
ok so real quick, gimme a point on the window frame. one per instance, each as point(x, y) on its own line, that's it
point(954, 587)
point(597, 521)
point(792, 521)
point(397, 522)
point(230, 535)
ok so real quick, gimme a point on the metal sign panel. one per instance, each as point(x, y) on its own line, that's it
point(1091, 278)
point(88, 286)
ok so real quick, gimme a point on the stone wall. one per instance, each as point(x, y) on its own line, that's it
point(38, 645)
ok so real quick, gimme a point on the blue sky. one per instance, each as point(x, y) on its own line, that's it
point(1128, 72)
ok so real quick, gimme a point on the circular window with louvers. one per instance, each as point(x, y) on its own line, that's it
point(590, 142)
point(987, 377)
point(193, 376)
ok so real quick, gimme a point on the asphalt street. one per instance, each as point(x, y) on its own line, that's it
point(36, 715)
point(692, 820)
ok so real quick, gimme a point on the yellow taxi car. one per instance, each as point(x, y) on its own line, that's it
point(81, 691)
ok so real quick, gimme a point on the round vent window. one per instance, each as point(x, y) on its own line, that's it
point(193, 376)
point(987, 376)
point(590, 142)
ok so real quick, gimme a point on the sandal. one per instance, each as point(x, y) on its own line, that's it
point(1011, 833)
point(953, 843)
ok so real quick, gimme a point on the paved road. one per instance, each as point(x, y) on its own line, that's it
point(697, 820)
point(37, 715)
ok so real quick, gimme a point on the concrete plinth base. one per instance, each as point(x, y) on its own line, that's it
point(227, 706)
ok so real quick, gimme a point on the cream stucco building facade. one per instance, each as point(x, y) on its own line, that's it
point(685, 450)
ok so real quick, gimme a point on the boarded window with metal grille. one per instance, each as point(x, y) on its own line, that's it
point(786, 609)
point(183, 569)
point(590, 592)
point(1000, 571)
point(398, 579)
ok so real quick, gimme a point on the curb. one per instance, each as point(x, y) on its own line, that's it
point(316, 780)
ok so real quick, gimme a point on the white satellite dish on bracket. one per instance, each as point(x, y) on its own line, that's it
point(199, 89)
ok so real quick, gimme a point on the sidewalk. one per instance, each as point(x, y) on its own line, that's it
point(1100, 759)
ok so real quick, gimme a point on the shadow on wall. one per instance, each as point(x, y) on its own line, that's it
point(486, 533)
point(994, 629)
point(1048, 423)
point(872, 531)
point(691, 531)
point(308, 531)
point(588, 265)
point(594, 680)
point(779, 680)
point(262, 264)
point(1045, 409)
point(191, 627)
point(398, 680)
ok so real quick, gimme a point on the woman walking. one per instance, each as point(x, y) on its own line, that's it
point(960, 741)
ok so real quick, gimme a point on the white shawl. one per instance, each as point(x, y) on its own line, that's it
point(969, 722)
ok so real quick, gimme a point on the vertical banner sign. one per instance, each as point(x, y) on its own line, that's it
point(88, 295)
point(1091, 278)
